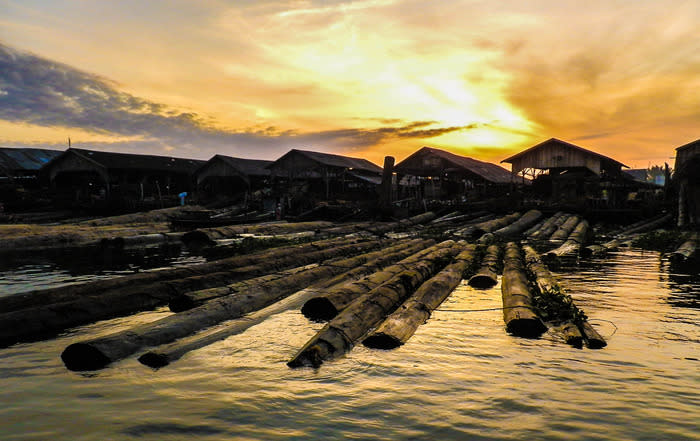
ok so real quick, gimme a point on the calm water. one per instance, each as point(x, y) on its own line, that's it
point(460, 377)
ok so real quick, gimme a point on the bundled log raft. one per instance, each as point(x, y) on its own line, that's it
point(487, 274)
point(563, 232)
point(50, 319)
point(518, 312)
point(548, 227)
point(97, 353)
point(339, 335)
point(516, 228)
point(330, 302)
point(398, 327)
point(478, 230)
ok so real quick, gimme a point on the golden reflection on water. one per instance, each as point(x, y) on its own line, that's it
point(460, 377)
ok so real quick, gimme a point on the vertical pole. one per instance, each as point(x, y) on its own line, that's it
point(385, 188)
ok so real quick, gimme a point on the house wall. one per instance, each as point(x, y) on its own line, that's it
point(556, 156)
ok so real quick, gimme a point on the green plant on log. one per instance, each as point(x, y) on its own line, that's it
point(658, 240)
point(556, 306)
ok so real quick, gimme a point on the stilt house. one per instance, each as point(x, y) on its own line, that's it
point(308, 177)
point(431, 173)
point(566, 173)
point(90, 176)
point(228, 177)
point(686, 177)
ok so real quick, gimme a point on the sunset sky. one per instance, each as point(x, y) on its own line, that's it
point(363, 78)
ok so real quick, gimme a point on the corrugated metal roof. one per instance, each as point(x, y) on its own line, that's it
point(332, 160)
point(490, 172)
point(564, 144)
point(14, 160)
point(248, 167)
point(113, 160)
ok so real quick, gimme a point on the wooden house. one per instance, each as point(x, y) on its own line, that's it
point(19, 176)
point(431, 173)
point(81, 175)
point(566, 173)
point(308, 177)
point(686, 178)
point(228, 177)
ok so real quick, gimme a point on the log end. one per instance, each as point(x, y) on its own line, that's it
point(526, 327)
point(309, 357)
point(319, 309)
point(154, 360)
point(381, 341)
point(595, 343)
point(482, 281)
point(84, 357)
point(197, 238)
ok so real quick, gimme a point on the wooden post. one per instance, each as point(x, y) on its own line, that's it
point(386, 186)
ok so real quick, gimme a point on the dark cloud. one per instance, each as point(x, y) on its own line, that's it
point(42, 92)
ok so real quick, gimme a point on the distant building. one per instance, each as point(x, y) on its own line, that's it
point(687, 181)
point(228, 177)
point(80, 176)
point(23, 163)
point(431, 173)
point(566, 173)
point(308, 177)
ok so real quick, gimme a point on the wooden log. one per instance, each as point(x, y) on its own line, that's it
point(570, 333)
point(686, 252)
point(563, 232)
point(600, 250)
point(166, 354)
point(519, 226)
point(549, 227)
point(487, 274)
point(50, 319)
point(542, 277)
point(40, 298)
point(97, 353)
point(328, 304)
point(476, 231)
point(647, 226)
point(573, 244)
point(591, 337)
point(193, 299)
point(339, 335)
point(398, 327)
point(518, 313)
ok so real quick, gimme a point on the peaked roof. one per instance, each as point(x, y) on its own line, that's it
point(248, 167)
point(695, 143)
point(566, 145)
point(487, 170)
point(25, 159)
point(332, 160)
point(113, 160)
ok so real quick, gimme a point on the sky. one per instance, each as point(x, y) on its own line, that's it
point(365, 78)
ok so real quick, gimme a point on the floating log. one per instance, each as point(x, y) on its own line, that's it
point(70, 293)
point(99, 352)
point(518, 313)
point(487, 275)
point(573, 244)
point(398, 327)
point(140, 241)
point(591, 337)
point(563, 232)
point(50, 319)
point(570, 332)
point(193, 299)
point(339, 335)
point(516, 228)
point(646, 226)
point(168, 353)
point(600, 250)
point(549, 226)
point(541, 275)
point(212, 234)
point(478, 230)
point(328, 304)
point(686, 252)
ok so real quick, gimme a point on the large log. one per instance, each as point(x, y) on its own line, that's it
point(478, 230)
point(549, 226)
point(563, 232)
point(646, 226)
point(518, 312)
point(600, 249)
point(572, 246)
point(50, 319)
point(398, 327)
point(339, 335)
point(328, 304)
point(487, 274)
point(592, 338)
point(69, 293)
point(391, 254)
point(516, 228)
point(168, 353)
point(686, 252)
point(99, 352)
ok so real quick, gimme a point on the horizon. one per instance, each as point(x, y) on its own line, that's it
point(363, 79)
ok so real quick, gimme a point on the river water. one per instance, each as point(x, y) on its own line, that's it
point(460, 377)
